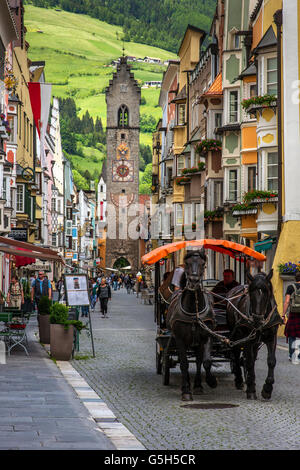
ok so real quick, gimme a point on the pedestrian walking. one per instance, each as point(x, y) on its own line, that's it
point(104, 295)
point(15, 295)
point(40, 287)
point(291, 311)
point(95, 288)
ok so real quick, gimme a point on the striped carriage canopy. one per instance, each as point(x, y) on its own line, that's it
point(234, 250)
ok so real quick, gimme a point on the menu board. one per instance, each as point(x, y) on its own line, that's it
point(77, 289)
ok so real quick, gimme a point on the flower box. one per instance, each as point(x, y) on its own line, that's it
point(287, 277)
point(258, 102)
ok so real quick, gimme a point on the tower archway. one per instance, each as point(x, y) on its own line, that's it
point(121, 263)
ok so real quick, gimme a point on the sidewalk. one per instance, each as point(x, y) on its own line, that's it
point(39, 409)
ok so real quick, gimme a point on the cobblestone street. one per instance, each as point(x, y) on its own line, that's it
point(124, 375)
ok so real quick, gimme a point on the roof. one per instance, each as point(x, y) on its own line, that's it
point(103, 171)
point(256, 10)
point(234, 250)
point(193, 28)
point(216, 88)
point(250, 70)
point(181, 97)
point(197, 136)
point(268, 40)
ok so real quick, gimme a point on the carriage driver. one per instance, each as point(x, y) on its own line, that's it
point(223, 287)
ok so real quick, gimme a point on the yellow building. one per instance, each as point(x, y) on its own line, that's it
point(23, 154)
point(288, 247)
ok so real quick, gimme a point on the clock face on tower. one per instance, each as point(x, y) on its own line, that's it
point(122, 171)
point(122, 151)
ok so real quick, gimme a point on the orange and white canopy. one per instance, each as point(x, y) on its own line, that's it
point(234, 250)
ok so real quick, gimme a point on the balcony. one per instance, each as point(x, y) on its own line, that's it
point(259, 104)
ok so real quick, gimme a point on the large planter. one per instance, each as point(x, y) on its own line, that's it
point(44, 328)
point(61, 342)
point(287, 277)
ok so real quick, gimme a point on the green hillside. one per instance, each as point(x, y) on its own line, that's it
point(159, 23)
point(78, 51)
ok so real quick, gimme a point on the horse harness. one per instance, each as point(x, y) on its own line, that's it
point(177, 313)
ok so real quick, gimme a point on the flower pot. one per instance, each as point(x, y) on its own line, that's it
point(44, 328)
point(287, 277)
point(61, 342)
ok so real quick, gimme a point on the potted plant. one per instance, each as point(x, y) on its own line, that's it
point(44, 319)
point(27, 306)
point(288, 270)
point(62, 332)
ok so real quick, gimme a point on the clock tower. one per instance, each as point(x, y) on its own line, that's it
point(123, 97)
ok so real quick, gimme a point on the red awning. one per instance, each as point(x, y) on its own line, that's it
point(23, 260)
point(28, 252)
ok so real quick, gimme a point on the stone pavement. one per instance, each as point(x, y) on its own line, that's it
point(123, 374)
point(39, 409)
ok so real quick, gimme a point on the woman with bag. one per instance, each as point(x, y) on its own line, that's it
point(15, 296)
point(104, 294)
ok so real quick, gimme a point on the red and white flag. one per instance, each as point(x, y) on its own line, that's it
point(40, 98)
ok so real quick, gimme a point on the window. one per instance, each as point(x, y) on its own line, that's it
point(218, 120)
point(272, 171)
point(233, 185)
point(27, 134)
point(53, 239)
point(233, 106)
point(272, 76)
point(181, 114)
point(236, 41)
point(20, 198)
point(180, 165)
point(218, 193)
point(24, 123)
point(38, 231)
point(4, 195)
point(179, 214)
point(169, 176)
point(101, 188)
point(11, 120)
point(252, 90)
point(53, 205)
point(59, 206)
point(38, 182)
point(123, 116)
point(251, 178)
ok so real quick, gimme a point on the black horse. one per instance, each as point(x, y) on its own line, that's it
point(257, 323)
point(190, 307)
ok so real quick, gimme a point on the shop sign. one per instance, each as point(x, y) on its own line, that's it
point(19, 234)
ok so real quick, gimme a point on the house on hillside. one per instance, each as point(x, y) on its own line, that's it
point(152, 60)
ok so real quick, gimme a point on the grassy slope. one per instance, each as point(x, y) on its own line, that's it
point(76, 49)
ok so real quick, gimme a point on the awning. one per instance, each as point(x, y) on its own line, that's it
point(264, 245)
point(28, 250)
point(234, 250)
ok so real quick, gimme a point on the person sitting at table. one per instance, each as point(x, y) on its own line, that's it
point(15, 296)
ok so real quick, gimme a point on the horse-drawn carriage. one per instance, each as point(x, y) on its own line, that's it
point(191, 327)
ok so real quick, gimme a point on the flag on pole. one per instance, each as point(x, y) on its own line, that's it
point(40, 98)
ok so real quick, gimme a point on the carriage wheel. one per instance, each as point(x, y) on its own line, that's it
point(159, 356)
point(166, 369)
